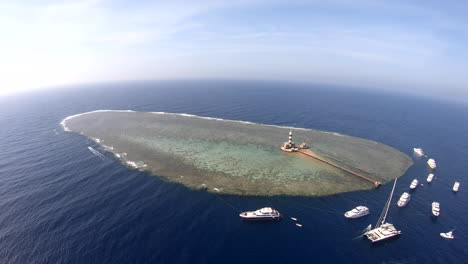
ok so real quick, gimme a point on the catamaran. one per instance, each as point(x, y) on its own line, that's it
point(418, 151)
point(456, 185)
point(430, 176)
point(414, 184)
point(382, 229)
point(431, 163)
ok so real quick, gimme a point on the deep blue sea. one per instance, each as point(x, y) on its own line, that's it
point(60, 203)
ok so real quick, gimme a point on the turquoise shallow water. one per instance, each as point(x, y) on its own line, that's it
point(237, 157)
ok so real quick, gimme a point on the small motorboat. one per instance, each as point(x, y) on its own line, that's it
point(430, 177)
point(404, 199)
point(418, 151)
point(456, 185)
point(448, 235)
point(299, 225)
point(435, 208)
point(431, 163)
point(266, 213)
point(357, 212)
point(414, 184)
point(294, 218)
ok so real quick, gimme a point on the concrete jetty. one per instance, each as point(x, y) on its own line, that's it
point(290, 146)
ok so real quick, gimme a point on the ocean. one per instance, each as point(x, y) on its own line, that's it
point(62, 203)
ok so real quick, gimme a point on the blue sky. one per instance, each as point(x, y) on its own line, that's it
point(413, 46)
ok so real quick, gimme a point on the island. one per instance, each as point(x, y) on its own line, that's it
point(239, 157)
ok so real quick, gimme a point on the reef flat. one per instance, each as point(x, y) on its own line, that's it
point(237, 157)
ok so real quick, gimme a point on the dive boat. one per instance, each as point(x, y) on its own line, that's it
point(435, 208)
point(266, 213)
point(404, 199)
point(431, 163)
point(448, 235)
point(414, 184)
point(418, 151)
point(456, 185)
point(382, 229)
point(430, 177)
point(357, 212)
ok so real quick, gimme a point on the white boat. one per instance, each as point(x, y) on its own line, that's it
point(404, 199)
point(456, 185)
point(418, 151)
point(357, 212)
point(435, 208)
point(432, 164)
point(266, 213)
point(448, 235)
point(294, 218)
point(430, 177)
point(299, 225)
point(383, 230)
point(414, 184)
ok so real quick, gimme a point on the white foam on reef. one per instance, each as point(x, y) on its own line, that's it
point(228, 120)
point(64, 121)
point(140, 165)
point(108, 148)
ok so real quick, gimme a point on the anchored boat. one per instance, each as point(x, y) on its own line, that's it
point(418, 151)
point(414, 184)
point(431, 163)
point(448, 235)
point(456, 185)
point(266, 213)
point(382, 229)
point(435, 208)
point(430, 177)
point(357, 212)
point(404, 199)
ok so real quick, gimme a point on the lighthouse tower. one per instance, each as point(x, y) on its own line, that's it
point(289, 146)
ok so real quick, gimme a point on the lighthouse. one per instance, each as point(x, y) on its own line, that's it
point(289, 146)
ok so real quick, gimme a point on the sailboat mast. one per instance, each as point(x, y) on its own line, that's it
point(383, 216)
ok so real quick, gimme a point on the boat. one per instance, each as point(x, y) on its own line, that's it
point(448, 235)
point(383, 230)
point(357, 212)
point(294, 218)
point(299, 225)
point(456, 185)
point(266, 213)
point(418, 151)
point(430, 177)
point(432, 164)
point(435, 208)
point(414, 184)
point(404, 199)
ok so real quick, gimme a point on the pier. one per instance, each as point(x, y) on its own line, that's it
point(290, 146)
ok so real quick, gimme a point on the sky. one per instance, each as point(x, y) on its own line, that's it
point(417, 47)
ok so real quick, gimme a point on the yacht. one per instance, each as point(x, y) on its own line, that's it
point(430, 177)
point(266, 213)
point(431, 163)
point(382, 229)
point(448, 235)
point(418, 151)
point(357, 212)
point(455, 186)
point(414, 184)
point(404, 199)
point(435, 208)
